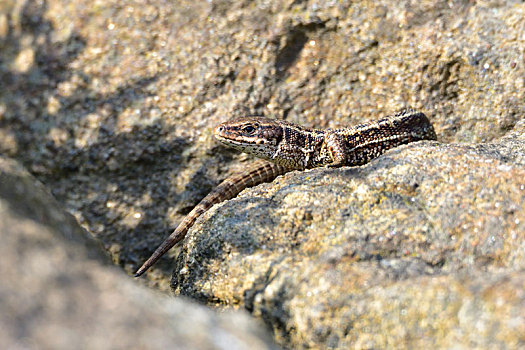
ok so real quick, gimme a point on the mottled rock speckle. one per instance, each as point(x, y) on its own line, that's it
point(111, 105)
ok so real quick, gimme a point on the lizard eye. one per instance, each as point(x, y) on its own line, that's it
point(249, 129)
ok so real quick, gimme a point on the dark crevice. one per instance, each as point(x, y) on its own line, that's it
point(295, 40)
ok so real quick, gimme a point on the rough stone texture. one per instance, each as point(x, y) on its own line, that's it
point(422, 248)
point(111, 104)
point(55, 294)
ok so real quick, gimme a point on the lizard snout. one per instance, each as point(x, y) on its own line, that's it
point(219, 130)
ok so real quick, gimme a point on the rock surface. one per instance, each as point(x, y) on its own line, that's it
point(424, 246)
point(111, 104)
point(55, 294)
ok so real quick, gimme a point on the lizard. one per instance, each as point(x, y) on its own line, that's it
point(284, 146)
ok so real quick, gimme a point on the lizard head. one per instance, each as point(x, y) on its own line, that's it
point(258, 136)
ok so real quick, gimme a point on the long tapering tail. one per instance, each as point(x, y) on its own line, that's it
point(259, 172)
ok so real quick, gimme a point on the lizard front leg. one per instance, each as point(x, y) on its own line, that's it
point(334, 146)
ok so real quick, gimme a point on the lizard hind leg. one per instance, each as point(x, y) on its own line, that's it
point(335, 146)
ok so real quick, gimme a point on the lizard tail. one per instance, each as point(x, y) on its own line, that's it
point(259, 172)
point(168, 243)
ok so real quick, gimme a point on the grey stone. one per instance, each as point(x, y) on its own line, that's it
point(423, 247)
point(111, 105)
point(56, 294)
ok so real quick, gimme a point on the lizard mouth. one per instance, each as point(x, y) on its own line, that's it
point(225, 139)
point(232, 142)
point(222, 135)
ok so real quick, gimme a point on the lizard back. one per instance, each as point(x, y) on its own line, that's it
point(367, 141)
point(288, 146)
point(298, 147)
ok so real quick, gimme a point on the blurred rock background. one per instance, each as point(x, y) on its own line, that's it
point(59, 291)
point(111, 103)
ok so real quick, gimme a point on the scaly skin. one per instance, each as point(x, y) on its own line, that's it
point(285, 146)
point(259, 172)
point(302, 148)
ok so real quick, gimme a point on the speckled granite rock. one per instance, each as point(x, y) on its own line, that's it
point(55, 294)
point(422, 248)
point(111, 103)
